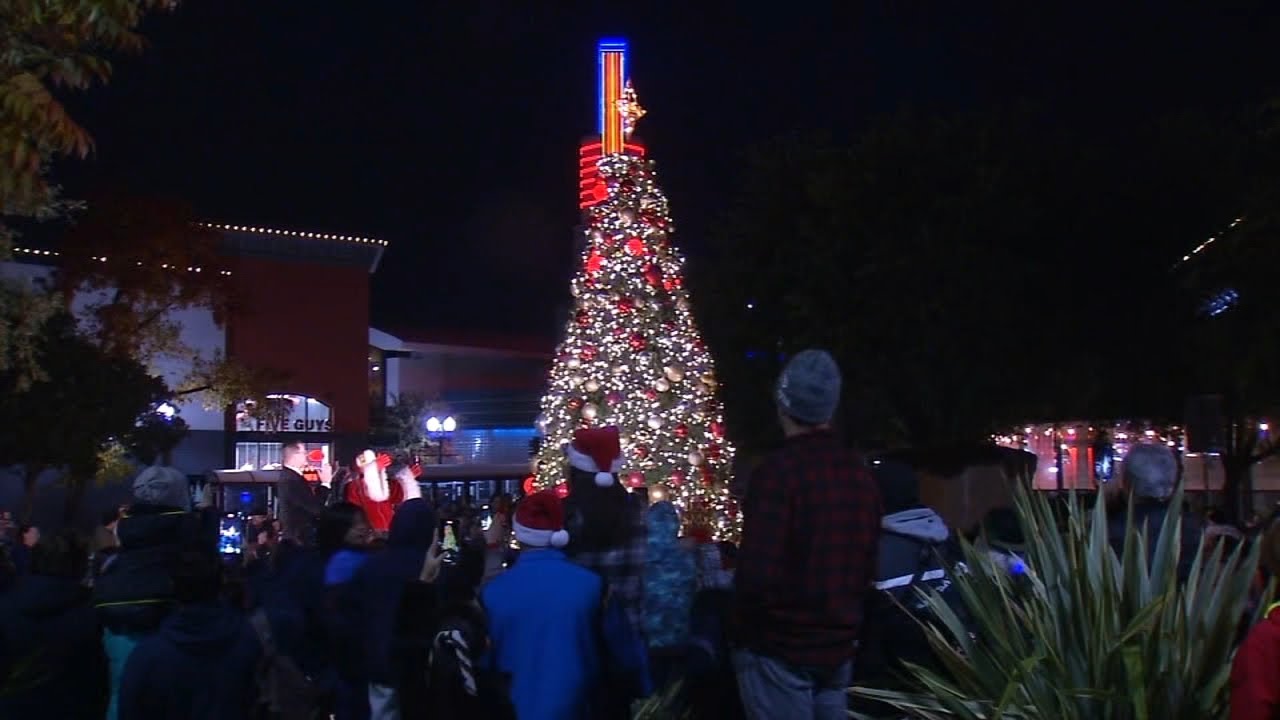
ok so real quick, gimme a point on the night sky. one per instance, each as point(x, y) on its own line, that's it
point(450, 129)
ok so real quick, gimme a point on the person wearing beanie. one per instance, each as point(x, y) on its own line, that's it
point(162, 486)
point(134, 591)
point(1150, 473)
point(544, 618)
point(810, 538)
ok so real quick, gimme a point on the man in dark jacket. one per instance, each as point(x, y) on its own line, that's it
point(300, 505)
point(809, 542)
point(202, 661)
point(51, 659)
point(1150, 473)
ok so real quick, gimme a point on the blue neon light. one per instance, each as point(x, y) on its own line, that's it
point(608, 46)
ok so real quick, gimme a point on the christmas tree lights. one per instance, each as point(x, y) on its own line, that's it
point(632, 357)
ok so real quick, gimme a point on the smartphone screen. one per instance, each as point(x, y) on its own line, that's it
point(486, 519)
point(449, 539)
point(231, 535)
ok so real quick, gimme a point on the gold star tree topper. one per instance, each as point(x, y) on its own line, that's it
point(630, 110)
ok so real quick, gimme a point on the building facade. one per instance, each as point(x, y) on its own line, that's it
point(300, 314)
point(490, 385)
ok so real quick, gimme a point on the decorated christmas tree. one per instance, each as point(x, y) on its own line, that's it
point(632, 355)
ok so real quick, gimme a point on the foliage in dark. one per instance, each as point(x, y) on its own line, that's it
point(155, 437)
point(402, 426)
point(47, 49)
point(973, 271)
point(87, 399)
point(139, 260)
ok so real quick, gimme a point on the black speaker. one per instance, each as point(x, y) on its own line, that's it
point(1206, 424)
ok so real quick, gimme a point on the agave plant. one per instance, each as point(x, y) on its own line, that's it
point(1083, 635)
point(665, 705)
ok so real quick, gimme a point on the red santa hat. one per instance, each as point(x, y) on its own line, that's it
point(539, 521)
point(596, 450)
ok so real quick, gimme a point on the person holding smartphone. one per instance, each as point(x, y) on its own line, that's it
point(393, 599)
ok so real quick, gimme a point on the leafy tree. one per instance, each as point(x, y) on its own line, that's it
point(892, 252)
point(47, 45)
point(155, 436)
point(977, 270)
point(140, 260)
point(402, 425)
point(87, 399)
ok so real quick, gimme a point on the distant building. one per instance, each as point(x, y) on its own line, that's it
point(492, 386)
point(301, 311)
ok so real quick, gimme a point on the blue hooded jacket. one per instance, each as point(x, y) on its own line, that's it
point(670, 579)
point(544, 628)
point(379, 585)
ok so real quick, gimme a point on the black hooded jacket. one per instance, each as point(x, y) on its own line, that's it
point(135, 589)
point(201, 664)
point(380, 587)
point(51, 658)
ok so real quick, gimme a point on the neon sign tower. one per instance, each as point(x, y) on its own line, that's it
point(617, 113)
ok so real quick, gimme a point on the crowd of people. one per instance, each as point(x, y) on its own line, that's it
point(362, 599)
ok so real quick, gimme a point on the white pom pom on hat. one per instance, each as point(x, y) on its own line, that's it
point(598, 451)
point(539, 521)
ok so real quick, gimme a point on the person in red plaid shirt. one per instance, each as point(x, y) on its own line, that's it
point(811, 527)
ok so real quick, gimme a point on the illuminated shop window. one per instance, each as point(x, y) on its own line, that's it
point(266, 455)
point(298, 414)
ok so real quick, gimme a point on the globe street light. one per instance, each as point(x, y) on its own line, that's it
point(439, 429)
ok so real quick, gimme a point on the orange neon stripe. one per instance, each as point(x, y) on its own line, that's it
point(612, 140)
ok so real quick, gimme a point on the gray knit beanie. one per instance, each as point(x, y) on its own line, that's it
point(162, 485)
point(809, 387)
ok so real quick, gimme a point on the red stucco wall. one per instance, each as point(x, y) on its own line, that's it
point(311, 322)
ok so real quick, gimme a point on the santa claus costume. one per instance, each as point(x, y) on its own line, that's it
point(372, 492)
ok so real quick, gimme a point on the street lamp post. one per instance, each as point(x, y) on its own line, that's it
point(440, 429)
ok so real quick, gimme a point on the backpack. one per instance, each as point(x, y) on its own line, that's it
point(460, 684)
point(285, 692)
point(896, 612)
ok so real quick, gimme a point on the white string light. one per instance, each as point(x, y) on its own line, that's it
point(293, 233)
point(1204, 245)
point(233, 228)
point(55, 253)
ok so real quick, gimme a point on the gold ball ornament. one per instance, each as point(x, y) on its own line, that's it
point(695, 458)
point(573, 362)
point(620, 369)
point(592, 385)
point(709, 379)
point(661, 385)
point(590, 411)
point(654, 422)
point(674, 373)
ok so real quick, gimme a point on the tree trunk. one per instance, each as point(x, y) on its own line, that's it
point(31, 475)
